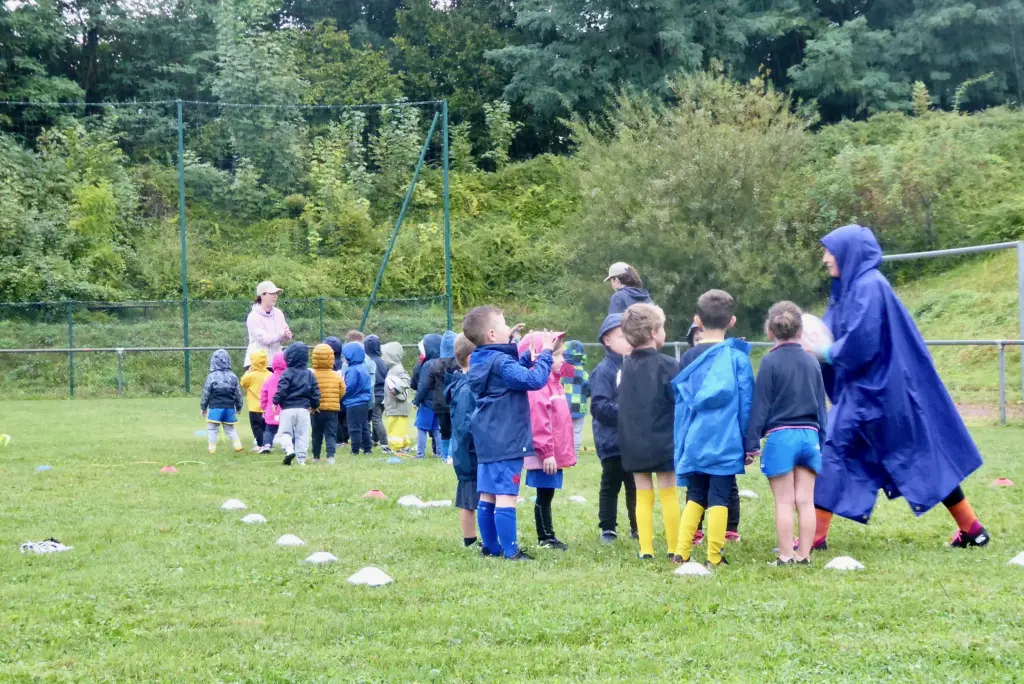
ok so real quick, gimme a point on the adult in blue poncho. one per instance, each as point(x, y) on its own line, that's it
point(893, 425)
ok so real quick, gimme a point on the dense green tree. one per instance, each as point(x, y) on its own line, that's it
point(338, 73)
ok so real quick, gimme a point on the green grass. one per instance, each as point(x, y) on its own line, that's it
point(164, 586)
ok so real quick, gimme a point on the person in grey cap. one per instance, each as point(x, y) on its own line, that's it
point(629, 289)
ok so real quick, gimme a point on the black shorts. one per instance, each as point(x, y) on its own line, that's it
point(466, 496)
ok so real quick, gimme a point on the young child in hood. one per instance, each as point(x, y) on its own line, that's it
point(372, 347)
point(221, 401)
point(426, 420)
point(297, 394)
point(501, 423)
point(332, 389)
point(272, 412)
point(358, 391)
point(605, 424)
point(336, 346)
point(462, 403)
point(552, 427)
point(577, 390)
point(252, 382)
point(713, 398)
point(397, 397)
point(434, 387)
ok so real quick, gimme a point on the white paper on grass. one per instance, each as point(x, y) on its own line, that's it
point(577, 499)
point(290, 540)
point(748, 494)
point(254, 519)
point(438, 504)
point(692, 569)
point(411, 501)
point(371, 576)
point(844, 563)
point(48, 546)
point(321, 557)
point(1018, 560)
point(232, 505)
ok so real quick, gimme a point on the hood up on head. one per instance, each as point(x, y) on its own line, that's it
point(354, 353)
point(575, 353)
point(220, 361)
point(611, 322)
point(296, 355)
point(323, 357)
point(431, 346)
point(448, 345)
point(856, 251)
point(258, 360)
point(278, 364)
point(372, 345)
point(336, 346)
point(392, 354)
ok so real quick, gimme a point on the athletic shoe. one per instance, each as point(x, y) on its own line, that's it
point(732, 536)
point(301, 463)
point(330, 460)
point(487, 554)
point(387, 451)
point(711, 566)
point(677, 559)
point(633, 534)
point(288, 458)
point(645, 556)
point(964, 540)
point(698, 538)
point(778, 562)
point(213, 450)
point(819, 544)
point(316, 460)
point(520, 556)
point(608, 537)
point(805, 561)
point(256, 449)
point(266, 449)
point(553, 544)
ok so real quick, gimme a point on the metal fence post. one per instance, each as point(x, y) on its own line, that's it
point(120, 372)
point(1020, 306)
point(678, 355)
point(320, 300)
point(1002, 383)
point(447, 214)
point(184, 255)
point(71, 345)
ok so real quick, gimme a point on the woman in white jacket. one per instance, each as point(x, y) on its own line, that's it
point(266, 325)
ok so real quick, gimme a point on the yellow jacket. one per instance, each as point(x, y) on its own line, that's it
point(332, 386)
point(252, 381)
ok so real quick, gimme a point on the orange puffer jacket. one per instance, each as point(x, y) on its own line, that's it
point(332, 386)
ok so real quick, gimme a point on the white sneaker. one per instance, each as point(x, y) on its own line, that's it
point(302, 462)
point(256, 449)
point(330, 461)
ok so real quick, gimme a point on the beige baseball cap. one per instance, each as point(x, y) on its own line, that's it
point(619, 268)
point(267, 287)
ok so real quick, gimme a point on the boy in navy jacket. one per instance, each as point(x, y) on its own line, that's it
point(501, 423)
point(461, 404)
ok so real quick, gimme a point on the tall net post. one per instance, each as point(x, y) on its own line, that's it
point(184, 254)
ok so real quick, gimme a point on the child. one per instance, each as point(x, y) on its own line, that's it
point(272, 412)
point(646, 414)
point(426, 420)
point(713, 397)
point(501, 423)
point(577, 390)
point(336, 346)
point(252, 382)
point(332, 389)
point(221, 401)
point(435, 385)
point(461, 403)
point(605, 424)
point(297, 393)
point(372, 347)
point(359, 390)
point(397, 393)
point(789, 407)
point(551, 424)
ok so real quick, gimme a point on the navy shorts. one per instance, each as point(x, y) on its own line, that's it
point(538, 479)
point(466, 496)
point(788, 448)
point(500, 478)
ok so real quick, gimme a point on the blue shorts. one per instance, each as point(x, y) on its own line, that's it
point(222, 415)
point(426, 419)
point(788, 448)
point(538, 479)
point(500, 478)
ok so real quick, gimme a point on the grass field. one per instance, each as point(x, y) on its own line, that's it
point(164, 586)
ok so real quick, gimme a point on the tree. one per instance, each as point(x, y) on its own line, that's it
point(338, 73)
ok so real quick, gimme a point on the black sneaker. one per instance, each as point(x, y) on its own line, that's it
point(487, 554)
point(608, 537)
point(805, 561)
point(633, 534)
point(779, 562)
point(288, 458)
point(553, 544)
point(521, 555)
point(711, 566)
point(965, 540)
point(645, 556)
point(677, 559)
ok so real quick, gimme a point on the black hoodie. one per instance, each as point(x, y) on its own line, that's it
point(297, 388)
point(371, 345)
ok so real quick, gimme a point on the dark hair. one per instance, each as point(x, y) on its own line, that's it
point(477, 322)
point(463, 348)
point(785, 321)
point(631, 278)
point(715, 309)
point(354, 336)
point(639, 323)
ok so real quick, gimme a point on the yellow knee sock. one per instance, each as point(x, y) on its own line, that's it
point(688, 527)
point(670, 515)
point(718, 519)
point(645, 520)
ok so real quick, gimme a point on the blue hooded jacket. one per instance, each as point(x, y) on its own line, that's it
point(604, 399)
point(432, 388)
point(713, 398)
point(893, 425)
point(358, 387)
point(462, 404)
point(501, 423)
point(420, 373)
point(626, 297)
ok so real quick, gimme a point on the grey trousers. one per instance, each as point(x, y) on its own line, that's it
point(296, 427)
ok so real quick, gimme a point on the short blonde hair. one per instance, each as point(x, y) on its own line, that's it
point(639, 323)
point(463, 348)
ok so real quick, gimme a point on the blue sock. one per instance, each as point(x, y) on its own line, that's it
point(505, 521)
point(445, 450)
point(488, 532)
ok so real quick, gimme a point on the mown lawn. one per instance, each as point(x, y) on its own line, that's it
point(164, 586)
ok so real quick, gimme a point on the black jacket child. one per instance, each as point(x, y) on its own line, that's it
point(221, 389)
point(462, 402)
point(372, 347)
point(297, 387)
point(647, 412)
point(604, 398)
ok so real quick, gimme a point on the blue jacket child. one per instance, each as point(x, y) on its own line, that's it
point(577, 388)
point(358, 388)
point(462, 404)
point(604, 385)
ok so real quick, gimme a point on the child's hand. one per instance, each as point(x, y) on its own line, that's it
point(550, 465)
point(204, 414)
point(515, 331)
point(547, 340)
point(749, 460)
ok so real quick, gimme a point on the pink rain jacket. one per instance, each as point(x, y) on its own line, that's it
point(549, 416)
point(271, 411)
